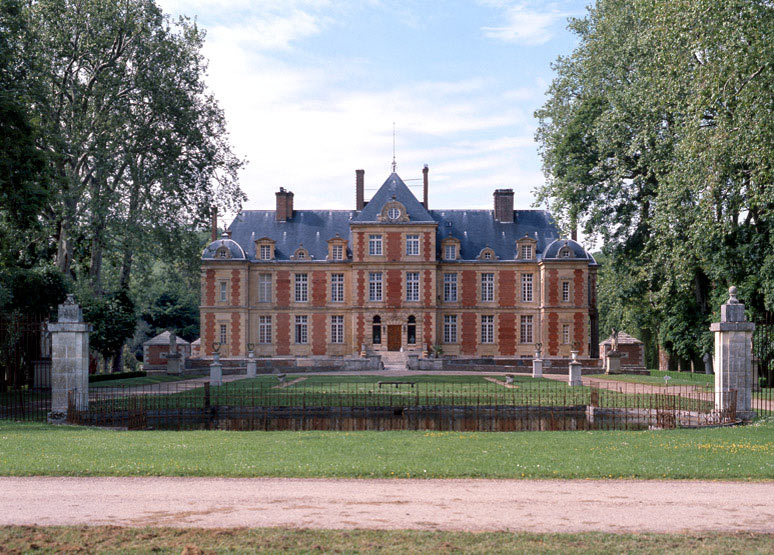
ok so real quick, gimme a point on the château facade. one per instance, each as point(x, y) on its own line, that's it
point(394, 275)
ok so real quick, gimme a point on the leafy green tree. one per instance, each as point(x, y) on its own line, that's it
point(113, 319)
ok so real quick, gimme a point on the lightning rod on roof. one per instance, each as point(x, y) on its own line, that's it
point(394, 164)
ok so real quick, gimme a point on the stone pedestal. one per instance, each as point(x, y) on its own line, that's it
point(613, 362)
point(537, 367)
point(252, 365)
point(733, 358)
point(216, 370)
point(574, 374)
point(174, 359)
point(69, 361)
point(413, 361)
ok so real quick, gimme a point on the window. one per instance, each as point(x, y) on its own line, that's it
point(487, 288)
point(526, 252)
point(487, 329)
point(337, 329)
point(337, 252)
point(411, 331)
point(223, 291)
point(564, 253)
point(526, 288)
point(566, 291)
point(375, 245)
point(412, 286)
point(412, 245)
point(302, 293)
point(301, 329)
point(264, 288)
point(488, 255)
point(301, 255)
point(450, 252)
point(566, 334)
point(264, 329)
point(265, 252)
point(374, 286)
point(526, 329)
point(223, 253)
point(337, 288)
point(450, 328)
point(393, 213)
point(223, 334)
point(376, 331)
point(450, 288)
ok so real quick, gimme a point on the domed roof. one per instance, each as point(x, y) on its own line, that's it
point(224, 248)
point(558, 247)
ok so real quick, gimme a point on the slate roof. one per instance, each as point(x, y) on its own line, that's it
point(237, 252)
point(163, 339)
point(552, 251)
point(623, 339)
point(394, 189)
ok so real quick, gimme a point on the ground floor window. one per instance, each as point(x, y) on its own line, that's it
point(526, 329)
point(411, 331)
point(376, 331)
point(301, 329)
point(264, 329)
point(337, 329)
point(487, 329)
point(450, 328)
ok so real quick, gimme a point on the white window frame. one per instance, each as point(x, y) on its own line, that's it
point(337, 329)
point(565, 291)
point(527, 291)
point(264, 330)
point(412, 287)
point(565, 334)
point(487, 287)
point(301, 289)
point(450, 251)
point(224, 334)
point(375, 289)
point(526, 329)
point(264, 288)
point(301, 334)
point(487, 329)
point(412, 245)
point(450, 287)
point(449, 328)
point(337, 252)
point(527, 252)
point(265, 251)
point(337, 288)
point(223, 291)
point(375, 245)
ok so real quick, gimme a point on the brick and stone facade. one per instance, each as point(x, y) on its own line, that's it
point(394, 275)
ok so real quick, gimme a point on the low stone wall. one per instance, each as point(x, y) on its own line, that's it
point(290, 364)
point(516, 365)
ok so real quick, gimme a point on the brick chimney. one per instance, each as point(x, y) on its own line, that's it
point(503, 206)
point(284, 205)
point(425, 181)
point(214, 230)
point(359, 189)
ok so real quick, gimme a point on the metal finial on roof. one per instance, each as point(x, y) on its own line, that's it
point(394, 164)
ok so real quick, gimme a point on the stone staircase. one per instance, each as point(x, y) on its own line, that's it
point(394, 360)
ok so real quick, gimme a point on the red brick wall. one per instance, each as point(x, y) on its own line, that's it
point(361, 287)
point(469, 296)
point(428, 288)
point(553, 287)
point(319, 288)
point(209, 333)
point(578, 333)
point(393, 246)
point(553, 332)
point(427, 246)
point(580, 290)
point(394, 288)
point(360, 331)
point(507, 286)
point(469, 340)
point(506, 332)
point(283, 333)
point(318, 334)
point(358, 246)
point(236, 286)
point(210, 287)
point(429, 336)
point(593, 287)
point(283, 288)
point(236, 335)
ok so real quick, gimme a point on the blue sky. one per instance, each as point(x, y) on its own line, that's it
point(311, 89)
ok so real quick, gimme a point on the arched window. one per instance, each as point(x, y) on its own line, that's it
point(411, 331)
point(376, 331)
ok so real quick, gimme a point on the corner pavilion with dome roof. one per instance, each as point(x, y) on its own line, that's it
point(394, 275)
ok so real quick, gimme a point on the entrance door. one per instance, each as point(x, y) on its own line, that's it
point(393, 338)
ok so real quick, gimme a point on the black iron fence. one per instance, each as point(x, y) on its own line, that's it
point(402, 405)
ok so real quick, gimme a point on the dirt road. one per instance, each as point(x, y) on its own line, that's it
point(473, 505)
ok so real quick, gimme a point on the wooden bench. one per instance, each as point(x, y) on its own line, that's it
point(396, 384)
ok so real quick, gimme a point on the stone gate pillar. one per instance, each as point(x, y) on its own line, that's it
point(69, 360)
point(733, 358)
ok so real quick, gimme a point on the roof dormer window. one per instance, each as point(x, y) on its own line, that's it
point(301, 254)
point(565, 253)
point(486, 254)
point(393, 213)
point(264, 249)
point(450, 251)
point(222, 253)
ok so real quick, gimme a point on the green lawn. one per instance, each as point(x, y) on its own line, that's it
point(144, 380)
point(740, 453)
point(657, 377)
point(22, 539)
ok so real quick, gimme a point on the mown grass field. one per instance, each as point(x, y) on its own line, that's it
point(656, 377)
point(138, 381)
point(168, 540)
point(738, 453)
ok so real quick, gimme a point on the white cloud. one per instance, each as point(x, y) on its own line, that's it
point(526, 25)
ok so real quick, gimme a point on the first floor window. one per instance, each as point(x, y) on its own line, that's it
point(264, 288)
point(526, 329)
point(450, 288)
point(526, 288)
point(412, 286)
point(566, 334)
point(337, 288)
point(223, 291)
point(412, 245)
point(374, 286)
point(487, 288)
point(566, 291)
point(337, 329)
point(487, 329)
point(223, 334)
point(302, 292)
point(301, 329)
point(450, 328)
point(375, 245)
point(264, 329)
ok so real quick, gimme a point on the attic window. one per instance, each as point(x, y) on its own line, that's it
point(223, 252)
point(565, 253)
point(450, 252)
point(301, 255)
point(265, 252)
point(526, 252)
point(487, 255)
point(393, 213)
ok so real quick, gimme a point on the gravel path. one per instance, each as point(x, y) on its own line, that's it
point(473, 505)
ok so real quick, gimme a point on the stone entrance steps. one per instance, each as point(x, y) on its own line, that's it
point(394, 360)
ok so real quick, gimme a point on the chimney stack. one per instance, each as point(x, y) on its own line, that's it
point(284, 210)
point(425, 181)
point(359, 189)
point(214, 230)
point(503, 206)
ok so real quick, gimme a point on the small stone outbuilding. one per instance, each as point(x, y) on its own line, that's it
point(632, 351)
point(155, 350)
point(196, 348)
